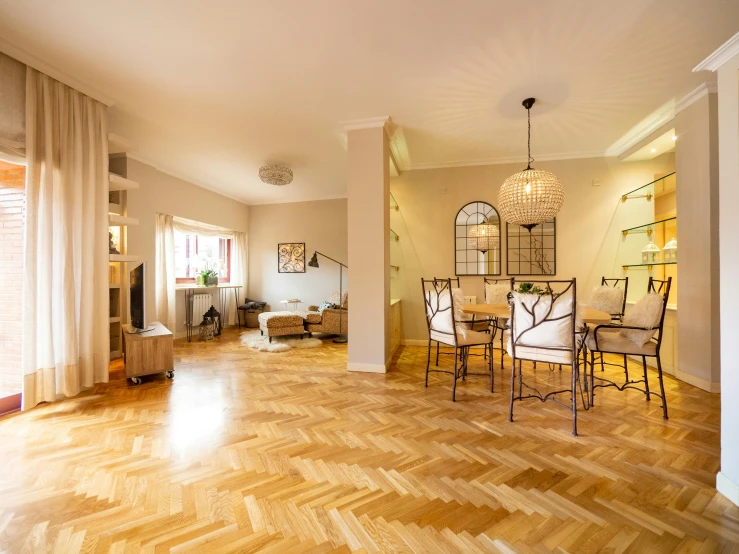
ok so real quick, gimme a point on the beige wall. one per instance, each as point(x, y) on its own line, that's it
point(696, 159)
point(321, 225)
point(728, 116)
point(588, 226)
point(369, 249)
point(160, 192)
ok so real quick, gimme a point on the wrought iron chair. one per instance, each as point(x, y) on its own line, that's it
point(607, 339)
point(443, 329)
point(616, 317)
point(498, 324)
point(470, 324)
point(544, 328)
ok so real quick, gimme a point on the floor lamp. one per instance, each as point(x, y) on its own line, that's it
point(314, 263)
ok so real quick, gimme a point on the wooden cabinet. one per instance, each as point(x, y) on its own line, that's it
point(149, 352)
point(395, 325)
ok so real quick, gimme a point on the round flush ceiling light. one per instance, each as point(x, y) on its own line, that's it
point(277, 175)
point(532, 196)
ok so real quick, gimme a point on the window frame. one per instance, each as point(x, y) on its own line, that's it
point(191, 280)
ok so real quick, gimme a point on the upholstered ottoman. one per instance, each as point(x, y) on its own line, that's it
point(278, 324)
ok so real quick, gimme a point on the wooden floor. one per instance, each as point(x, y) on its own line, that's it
point(283, 453)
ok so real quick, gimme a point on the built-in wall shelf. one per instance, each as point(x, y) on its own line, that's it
point(114, 285)
point(646, 194)
point(121, 183)
point(115, 319)
point(395, 267)
point(114, 209)
point(122, 220)
point(123, 258)
point(647, 226)
point(648, 266)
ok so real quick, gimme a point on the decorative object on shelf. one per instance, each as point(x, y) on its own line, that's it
point(477, 240)
point(291, 257)
point(314, 263)
point(650, 254)
point(207, 271)
point(215, 316)
point(531, 251)
point(532, 196)
point(206, 329)
point(277, 175)
point(670, 251)
point(113, 247)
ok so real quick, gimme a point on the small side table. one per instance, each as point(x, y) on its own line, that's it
point(294, 302)
point(148, 352)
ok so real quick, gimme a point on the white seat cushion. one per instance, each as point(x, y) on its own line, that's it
point(540, 354)
point(611, 340)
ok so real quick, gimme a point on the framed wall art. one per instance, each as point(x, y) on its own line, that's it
point(291, 257)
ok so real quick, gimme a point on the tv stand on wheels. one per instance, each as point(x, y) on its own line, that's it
point(148, 352)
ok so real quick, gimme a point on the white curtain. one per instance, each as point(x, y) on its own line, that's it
point(239, 275)
point(12, 110)
point(65, 274)
point(165, 271)
point(190, 227)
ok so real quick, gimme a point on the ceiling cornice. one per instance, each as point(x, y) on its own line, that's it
point(509, 160)
point(38, 64)
point(720, 56)
point(322, 199)
point(696, 94)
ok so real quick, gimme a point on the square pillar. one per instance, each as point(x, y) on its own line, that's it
point(368, 219)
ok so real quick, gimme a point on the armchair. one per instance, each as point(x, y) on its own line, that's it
point(331, 321)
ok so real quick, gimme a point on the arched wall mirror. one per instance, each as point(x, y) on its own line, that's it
point(477, 240)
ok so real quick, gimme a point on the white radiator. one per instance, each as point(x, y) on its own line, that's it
point(201, 303)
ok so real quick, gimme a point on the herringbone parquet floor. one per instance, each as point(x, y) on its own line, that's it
point(288, 453)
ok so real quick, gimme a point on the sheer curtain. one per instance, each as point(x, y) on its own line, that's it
point(165, 263)
point(65, 278)
point(165, 270)
point(12, 110)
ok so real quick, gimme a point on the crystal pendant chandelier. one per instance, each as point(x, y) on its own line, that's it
point(532, 196)
point(277, 175)
point(483, 237)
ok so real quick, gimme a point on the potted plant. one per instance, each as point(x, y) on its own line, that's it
point(208, 269)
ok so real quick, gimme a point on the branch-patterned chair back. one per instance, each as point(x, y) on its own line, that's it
point(546, 320)
point(438, 303)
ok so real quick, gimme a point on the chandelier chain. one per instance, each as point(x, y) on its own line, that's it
point(528, 111)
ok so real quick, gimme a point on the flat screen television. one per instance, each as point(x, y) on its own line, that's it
point(137, 291)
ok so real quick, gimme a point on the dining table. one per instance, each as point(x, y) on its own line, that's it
point(503, 311)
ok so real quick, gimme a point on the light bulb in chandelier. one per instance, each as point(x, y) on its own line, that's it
point(522, 204)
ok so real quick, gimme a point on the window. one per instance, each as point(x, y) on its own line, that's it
point(193, 253)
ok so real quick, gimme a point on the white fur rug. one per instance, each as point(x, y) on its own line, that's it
point(254, 339)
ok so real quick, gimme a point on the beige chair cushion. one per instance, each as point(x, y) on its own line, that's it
point(540, 354)
point(497, 293)
point(280, 319)
point(611, 340)
point(311, 317)
point(607, 299)
point(645, 313)
point(464, 337)
point(481, 325)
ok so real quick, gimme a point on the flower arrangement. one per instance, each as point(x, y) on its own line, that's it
point(207, 270)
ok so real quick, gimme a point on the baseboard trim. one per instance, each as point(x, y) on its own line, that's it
point(727, 487)
point(709, 386)
point(366, 368)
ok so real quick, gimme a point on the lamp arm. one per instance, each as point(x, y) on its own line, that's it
point(330, 258)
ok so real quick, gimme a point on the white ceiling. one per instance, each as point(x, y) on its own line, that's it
point(212, 90)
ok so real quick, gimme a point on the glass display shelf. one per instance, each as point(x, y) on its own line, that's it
point(393, 203)
point(648, 265)
point(646, 226)
point(394, 235)
point(648, 195)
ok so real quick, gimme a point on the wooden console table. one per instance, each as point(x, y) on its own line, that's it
point(148, 352)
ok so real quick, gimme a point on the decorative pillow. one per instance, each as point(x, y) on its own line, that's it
point(497, 294)
point(334, 299)
point(326, 305)
point(607, 299)
point(459, 314)
point(645, 313)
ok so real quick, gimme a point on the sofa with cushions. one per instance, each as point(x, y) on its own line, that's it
point(322, 319)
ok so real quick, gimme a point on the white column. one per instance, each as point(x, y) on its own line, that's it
point(368, 215)
point(725, 61)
